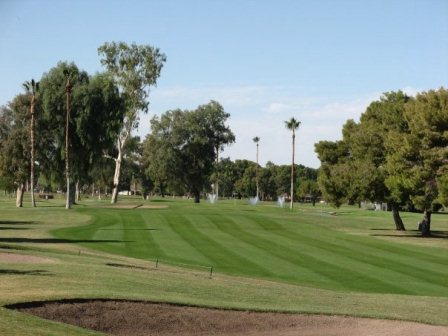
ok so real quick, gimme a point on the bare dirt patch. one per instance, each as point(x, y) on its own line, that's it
point(144, 318)
point(22, 258)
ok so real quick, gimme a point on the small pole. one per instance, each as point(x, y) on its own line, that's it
point(211, 272)
point(157, 262)
point(79, 252)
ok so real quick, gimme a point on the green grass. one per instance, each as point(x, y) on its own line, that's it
point(266, 259)
point(303, 247)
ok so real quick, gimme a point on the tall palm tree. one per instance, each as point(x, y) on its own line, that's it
point(257, 140)
point(292, 124)
point(68, 90)
point(32, 87)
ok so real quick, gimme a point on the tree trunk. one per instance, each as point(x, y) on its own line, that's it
point(397, 219)
point(217, 173)
point(256, 173)
point(118, 160)
point(426, 223)
point(19, 195)
point(33, 201)
point(93, 190)
point(292, 171)
point(197, 196)
point(77, 193)
point(68, 89)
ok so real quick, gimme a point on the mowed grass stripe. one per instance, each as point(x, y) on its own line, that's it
point(173, 242)
point(283, 268)
point(358, 245)
point(280, 266)
point(274, 244)
point(433, 259)
point(341, 276)
point(356, 251)
point(221, 257)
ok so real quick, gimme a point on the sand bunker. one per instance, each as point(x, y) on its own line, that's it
point(144, 318)
point(153, 207)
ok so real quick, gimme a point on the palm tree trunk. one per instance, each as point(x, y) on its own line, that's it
point(33, 202)
point(292, 171)
point(217, 174)
point(258, 189)
point(67, 165)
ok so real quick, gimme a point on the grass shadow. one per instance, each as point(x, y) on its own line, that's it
point(59, 241)
point(18, 272)
point(376, 229)
point(128, 229)
point(415, 234)
point(13, 222)
point(13, 228)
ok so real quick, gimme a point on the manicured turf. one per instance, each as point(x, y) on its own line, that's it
point(346, 263)
point(308, 247)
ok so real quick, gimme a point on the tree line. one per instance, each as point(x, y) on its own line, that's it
point(397, 153)
point(72, 132)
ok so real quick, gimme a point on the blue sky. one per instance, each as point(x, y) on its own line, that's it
point(320, 61)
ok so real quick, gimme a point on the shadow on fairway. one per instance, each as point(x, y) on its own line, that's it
point(59, 241)
point(17, 272)
point(128, 229)
point(12, 222)
point(12, 228)
point(416, 234)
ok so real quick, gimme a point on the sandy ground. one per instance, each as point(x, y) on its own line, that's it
point(22, 258)
point(153, 207)
point(144, 318)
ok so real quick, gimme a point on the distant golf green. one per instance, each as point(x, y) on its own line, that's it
point(309, 246)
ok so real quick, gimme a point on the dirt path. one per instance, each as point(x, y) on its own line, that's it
point(144, 318)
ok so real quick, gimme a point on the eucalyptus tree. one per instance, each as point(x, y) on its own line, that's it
point(220, 133)
point(135, 68)
point(96, 115)
point(68, 90)
point(181, 148)
point(292, 125)
point(257, 140)
point(14, 144)
point(32, 87)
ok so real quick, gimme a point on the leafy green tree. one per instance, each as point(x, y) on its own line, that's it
point(292, 125)
point(96, 114)
point(309, 188)
point(135, 68)
point(220, 135)
point(354, 169)
point(418, 166)
point(32, 87)
point(246, 185)
point(227, 177)
point(181, 148)
point(14, 144)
